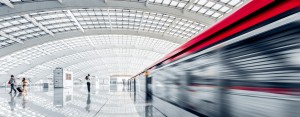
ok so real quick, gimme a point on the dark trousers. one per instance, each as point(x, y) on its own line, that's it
point(89, 86)
point(12, 87)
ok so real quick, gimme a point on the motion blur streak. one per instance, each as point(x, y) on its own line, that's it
point(254, 73)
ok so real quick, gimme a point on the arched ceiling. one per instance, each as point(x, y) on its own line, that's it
point(109, 37)
point(104, 58)
point(39, 61)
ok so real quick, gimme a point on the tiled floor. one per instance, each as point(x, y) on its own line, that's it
point(103, 101)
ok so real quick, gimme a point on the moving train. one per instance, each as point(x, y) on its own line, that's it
point(247, 65)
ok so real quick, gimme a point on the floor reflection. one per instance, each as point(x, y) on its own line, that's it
point(88, 103)
point(62, 96)
point(103, 101)
point(24, 101)
point(12, 102)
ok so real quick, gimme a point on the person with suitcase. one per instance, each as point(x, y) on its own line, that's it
point(19, 89)
point(24, 81)
point(12, 83)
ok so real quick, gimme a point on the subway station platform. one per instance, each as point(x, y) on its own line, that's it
point(104, 101)
point(178, 58)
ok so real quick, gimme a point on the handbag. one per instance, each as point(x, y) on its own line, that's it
point(9, 82)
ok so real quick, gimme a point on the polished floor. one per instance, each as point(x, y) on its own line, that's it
point(103, 101)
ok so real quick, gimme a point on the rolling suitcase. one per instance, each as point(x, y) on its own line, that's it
point(19, 89)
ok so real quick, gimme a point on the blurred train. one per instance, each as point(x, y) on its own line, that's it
point(247, 65)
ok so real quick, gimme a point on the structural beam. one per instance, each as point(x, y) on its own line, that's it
point(64, 43)
point(74, 67)
point(222, 3)
point(43, 51)
point(209, 9)
point(141, 22)
point(33, 7)
point(80, 55)
point(90, 41)
point(77, 33)
point(103, 68)
point(10, 37)
point(54, 57)
point(97, 51)
point(202, 6)
point(109, 19)
point(27, 17)
point(7, 3)
point(233, 9)
point(75, 20)
point(15, 59)
point(171, 26)
point(105, 73)
point(191, 2)
point(61, 60)
point(43, 67)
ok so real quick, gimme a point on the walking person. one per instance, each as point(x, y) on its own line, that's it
point(12, 83)
point(24, 81)
point(88, 82)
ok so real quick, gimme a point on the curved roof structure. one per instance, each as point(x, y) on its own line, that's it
point(103, 37)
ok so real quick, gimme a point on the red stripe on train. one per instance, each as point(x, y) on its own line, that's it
point(257, 4)
point(249, 8)
point(286, 91)
point(285, 6)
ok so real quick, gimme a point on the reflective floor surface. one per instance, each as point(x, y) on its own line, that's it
point(103, 101)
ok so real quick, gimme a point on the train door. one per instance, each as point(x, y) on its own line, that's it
point(148, 89)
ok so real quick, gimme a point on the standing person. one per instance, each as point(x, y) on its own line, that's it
point(88, 82)
point(24, 81)
point(123, 80)
point(12, 83)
